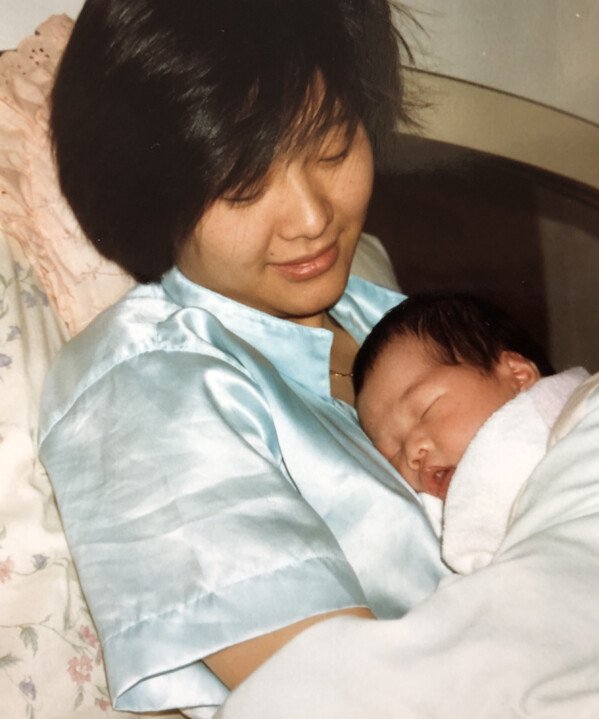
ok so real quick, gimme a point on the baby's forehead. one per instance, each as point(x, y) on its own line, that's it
point(395, 374)
point(408, 348)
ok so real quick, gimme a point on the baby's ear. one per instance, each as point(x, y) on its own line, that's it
point(523, 372)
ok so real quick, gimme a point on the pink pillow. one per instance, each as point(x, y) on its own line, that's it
point(79, 282)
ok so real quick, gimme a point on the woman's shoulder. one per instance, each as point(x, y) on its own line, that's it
point(144, 324)
point(124, 330)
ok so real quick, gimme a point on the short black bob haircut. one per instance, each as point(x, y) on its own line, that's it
point(161, 106)
point(459, 328)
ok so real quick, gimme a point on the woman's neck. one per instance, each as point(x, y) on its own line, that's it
point(343, 353)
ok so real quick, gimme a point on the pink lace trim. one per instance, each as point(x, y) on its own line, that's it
point(78, 281)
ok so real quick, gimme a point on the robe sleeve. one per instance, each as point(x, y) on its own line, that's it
point(188, 534)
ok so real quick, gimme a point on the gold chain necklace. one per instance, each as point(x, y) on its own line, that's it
point(331, 326)
point(334, 373)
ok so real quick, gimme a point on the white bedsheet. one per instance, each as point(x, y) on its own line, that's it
point(520, 638)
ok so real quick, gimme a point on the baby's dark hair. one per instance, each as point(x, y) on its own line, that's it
point(162, 106)
point(459, 328)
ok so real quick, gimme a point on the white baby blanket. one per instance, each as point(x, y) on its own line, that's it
point(519, 638)
point(494, 467)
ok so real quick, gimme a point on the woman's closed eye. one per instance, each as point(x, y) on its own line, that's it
point(249, 194)
point(334, 158)
point(335, 148)
point(243, 200)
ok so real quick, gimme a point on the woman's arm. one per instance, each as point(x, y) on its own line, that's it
point(234, 664)
point(176, 500)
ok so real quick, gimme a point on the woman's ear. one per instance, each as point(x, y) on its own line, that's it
point(522, 372)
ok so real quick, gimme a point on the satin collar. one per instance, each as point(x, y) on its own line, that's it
point(300, 353)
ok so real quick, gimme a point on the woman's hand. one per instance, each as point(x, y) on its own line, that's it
point(233, 664)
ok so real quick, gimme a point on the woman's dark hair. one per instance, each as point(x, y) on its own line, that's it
point(459, 328)
point(161, 106)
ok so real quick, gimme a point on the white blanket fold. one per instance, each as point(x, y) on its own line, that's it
point(494, 468)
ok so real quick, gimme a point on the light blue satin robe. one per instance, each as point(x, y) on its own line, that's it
point(211, 488)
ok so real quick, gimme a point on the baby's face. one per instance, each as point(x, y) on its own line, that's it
point(421, 415)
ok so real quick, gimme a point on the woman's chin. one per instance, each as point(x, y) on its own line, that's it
point(309, 308)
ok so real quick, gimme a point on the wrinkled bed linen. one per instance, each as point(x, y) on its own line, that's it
point(519, 638)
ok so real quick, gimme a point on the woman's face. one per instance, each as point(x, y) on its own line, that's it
point(286, 248)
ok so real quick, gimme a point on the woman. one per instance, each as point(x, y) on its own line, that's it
point(216, 489)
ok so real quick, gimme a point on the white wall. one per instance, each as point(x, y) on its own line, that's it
point(544, 50)
point(19, 18)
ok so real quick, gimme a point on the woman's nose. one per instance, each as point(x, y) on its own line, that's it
point(306, 209)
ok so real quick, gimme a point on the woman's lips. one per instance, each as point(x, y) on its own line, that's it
point(306, 269)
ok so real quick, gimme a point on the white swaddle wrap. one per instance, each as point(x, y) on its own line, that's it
point(519, 638)
point(494, 467)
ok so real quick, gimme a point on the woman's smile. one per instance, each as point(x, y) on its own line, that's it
point(307, 268)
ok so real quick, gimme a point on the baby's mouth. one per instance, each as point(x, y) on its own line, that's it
point(435, 480)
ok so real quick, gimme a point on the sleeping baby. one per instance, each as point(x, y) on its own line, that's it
point(462, 402)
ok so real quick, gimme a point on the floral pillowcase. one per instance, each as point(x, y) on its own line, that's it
point(50, 658)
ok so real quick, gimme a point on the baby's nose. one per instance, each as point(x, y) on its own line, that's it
point(416, 449)
point(408, 464)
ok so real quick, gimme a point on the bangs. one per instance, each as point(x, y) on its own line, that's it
point(294, 89)
point(301, 127)
point(320, 113)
